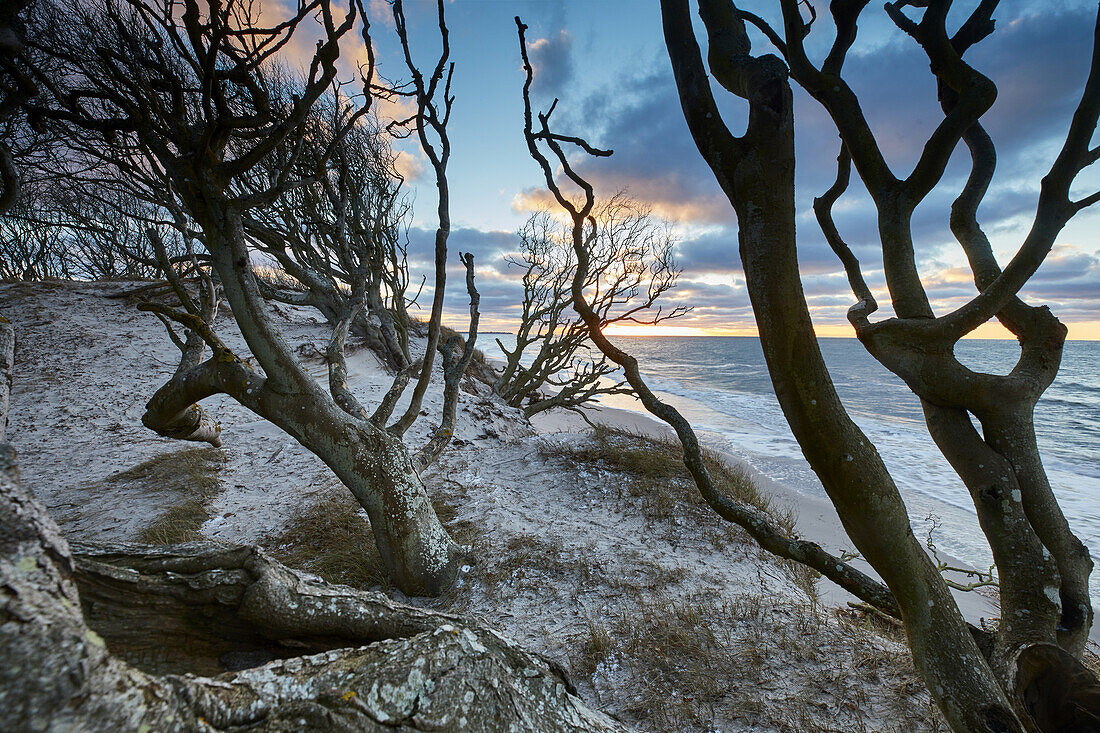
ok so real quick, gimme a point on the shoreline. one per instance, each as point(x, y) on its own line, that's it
point(817, 519)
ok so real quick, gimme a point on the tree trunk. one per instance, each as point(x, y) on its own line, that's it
point(419, 556)
point(847, 463)
point(373, 463)
point(757, 174)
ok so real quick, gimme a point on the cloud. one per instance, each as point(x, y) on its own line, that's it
point(650, 193)
point(501, 291)
point(654, 159)
point(486, 246)
point(1069, 280)
point(638, 115)
point(552, 60)
point(409, 166)
point(1038, 57)
point(380, 12)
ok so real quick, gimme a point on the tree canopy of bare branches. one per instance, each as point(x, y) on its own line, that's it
point(346, 230)
point(632, 267)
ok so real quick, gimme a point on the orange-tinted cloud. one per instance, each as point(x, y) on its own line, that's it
point(409, 165)
point(650, 194)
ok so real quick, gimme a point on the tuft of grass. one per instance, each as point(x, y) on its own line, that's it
point(658, 475)
point(332, 539)
point(595, 650)
point(190, 478)
point(676, 658)
point(193, 469)
point(654, 476)
point(178, 523)
point(699, 663)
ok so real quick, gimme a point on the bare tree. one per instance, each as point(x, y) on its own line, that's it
point(32, 240)
point(75, 223)
point(184, 88)
point(761, 527)
point(981, 680)
point(434, 102)
point(16, 87)
point(351, 223)
point(1042, 567)
point(632, 267)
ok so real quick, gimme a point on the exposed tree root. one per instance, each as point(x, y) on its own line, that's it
point(152, 614)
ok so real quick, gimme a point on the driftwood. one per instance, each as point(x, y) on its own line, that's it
point(155, 618)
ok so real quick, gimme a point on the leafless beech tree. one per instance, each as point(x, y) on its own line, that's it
point(351, 223)
point(632, 266)
point(74, 223)
point(584, 228)
point(111, 241)
point(183, 85)
point(31, 241)
point(1025, 675)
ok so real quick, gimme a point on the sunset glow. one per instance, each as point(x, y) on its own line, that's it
point(1081, 331)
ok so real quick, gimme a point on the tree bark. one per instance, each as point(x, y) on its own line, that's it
point(7, 364)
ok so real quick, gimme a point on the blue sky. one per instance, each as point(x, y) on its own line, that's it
point(605, 61)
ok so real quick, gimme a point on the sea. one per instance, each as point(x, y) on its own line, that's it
point(721, 385)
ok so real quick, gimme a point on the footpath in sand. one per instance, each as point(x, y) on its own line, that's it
point(663, 615)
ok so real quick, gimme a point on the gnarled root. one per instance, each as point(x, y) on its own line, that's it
point(373, 664)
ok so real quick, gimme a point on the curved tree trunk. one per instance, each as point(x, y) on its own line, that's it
point(757, 174)
point(419, 556)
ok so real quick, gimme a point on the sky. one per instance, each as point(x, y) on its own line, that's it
point(604, 60)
